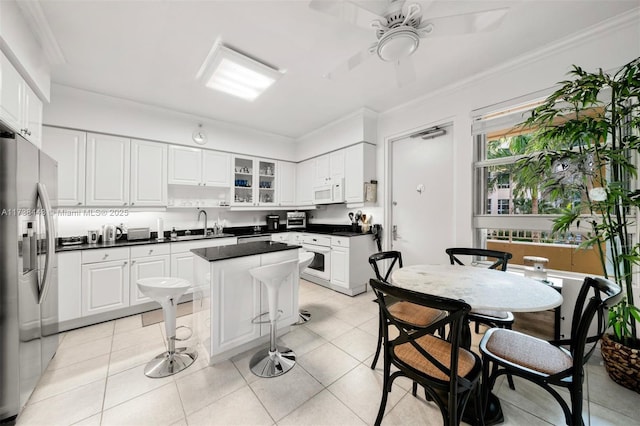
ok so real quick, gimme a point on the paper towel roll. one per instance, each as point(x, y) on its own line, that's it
point(160, 229)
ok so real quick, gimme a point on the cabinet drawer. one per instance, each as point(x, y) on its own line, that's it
point(150, 250)
point(316, 239)
point(105, 255)
point(340, 241)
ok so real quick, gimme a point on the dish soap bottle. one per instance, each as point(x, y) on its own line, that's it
point(174, 234)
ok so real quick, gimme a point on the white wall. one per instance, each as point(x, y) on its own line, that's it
point(90, 111)
point(608, 47)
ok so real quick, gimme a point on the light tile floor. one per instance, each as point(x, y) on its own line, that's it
point(97, 378)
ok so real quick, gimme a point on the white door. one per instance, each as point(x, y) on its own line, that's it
point(422, 207)
point(33, 116)
point(148, 173)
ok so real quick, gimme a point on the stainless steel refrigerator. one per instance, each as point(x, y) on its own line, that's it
point(28, 270)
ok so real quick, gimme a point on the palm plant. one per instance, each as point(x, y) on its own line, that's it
point(587, 134)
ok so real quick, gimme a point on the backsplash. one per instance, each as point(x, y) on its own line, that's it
point(91, 218)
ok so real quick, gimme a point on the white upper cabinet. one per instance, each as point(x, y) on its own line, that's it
point(68, 148)
point(360, 167)
point(20, 108)
point(305, 182)
point(107, 170)
point(329, 167)
point(32, 118)
point(254, 182)
point(148, 173)
point(11, 95)
point(286, 183)
point(185, 165)
point(194, 166)
point(216, 168)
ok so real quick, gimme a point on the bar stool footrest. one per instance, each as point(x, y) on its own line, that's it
point(256, 320)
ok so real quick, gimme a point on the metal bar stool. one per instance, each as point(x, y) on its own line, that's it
point(273, 361)
point(167, 291)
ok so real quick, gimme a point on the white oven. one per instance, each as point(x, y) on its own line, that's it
point(320, 246)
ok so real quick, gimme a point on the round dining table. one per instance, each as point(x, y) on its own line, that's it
point(481, 288)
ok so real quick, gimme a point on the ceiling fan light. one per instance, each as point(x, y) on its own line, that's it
point(397, 44)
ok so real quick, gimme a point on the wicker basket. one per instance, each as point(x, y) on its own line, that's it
point(622, 363)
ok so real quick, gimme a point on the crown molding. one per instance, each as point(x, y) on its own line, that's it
point(37, 21)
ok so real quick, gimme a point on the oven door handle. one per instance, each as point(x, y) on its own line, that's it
point(316, 249)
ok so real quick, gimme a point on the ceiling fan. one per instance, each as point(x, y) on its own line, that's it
point(399, 29)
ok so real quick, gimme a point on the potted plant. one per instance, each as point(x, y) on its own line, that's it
point(585, 144)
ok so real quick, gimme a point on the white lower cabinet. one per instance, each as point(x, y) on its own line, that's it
point(281, 237)
point(147, 262)
point(105, 284)
point(69, 285)
point(340, 266)
point(236, 298)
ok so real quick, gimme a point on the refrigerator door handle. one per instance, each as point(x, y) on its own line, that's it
point(50, 240)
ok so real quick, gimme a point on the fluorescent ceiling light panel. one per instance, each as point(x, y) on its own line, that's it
point(232, 72)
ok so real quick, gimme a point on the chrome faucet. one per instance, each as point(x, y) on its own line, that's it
point(206, 230)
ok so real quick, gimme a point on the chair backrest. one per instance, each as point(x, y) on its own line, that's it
point(455, 320)
point(502, 257)
point(396, 259)
point(604, 294)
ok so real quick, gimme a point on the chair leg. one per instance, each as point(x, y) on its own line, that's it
point(576, 406)
point(375, 358)
point(414, 390)
point(385, 392)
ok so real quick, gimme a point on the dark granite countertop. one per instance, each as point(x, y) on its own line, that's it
point(197, 234)
point(213, 254)
point(127, 243)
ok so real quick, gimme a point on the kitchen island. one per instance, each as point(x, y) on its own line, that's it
point(228, 302)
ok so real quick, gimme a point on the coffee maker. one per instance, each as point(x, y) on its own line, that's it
point(273, 222)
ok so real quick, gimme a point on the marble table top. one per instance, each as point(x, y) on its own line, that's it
point(480, 287)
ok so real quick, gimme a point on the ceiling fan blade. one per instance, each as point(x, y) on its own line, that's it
point(475, 22)
point(351, 63)
point(347, 11)
point(405, 72)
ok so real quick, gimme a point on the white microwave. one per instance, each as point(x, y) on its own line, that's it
point(329, 193)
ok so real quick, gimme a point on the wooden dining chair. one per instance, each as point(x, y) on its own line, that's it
point(499, 319)
point(410, 314)
point(548, 363)
point(449, 374)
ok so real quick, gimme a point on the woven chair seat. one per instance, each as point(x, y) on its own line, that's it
point(527, 351)
point(415, 315)
point(440, 350)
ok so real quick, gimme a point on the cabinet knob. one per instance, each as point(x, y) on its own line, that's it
point(150, 251)
point(204, 183)
point(125, 262)
point(80, 203)
point(23, 130)
point(131, 204)
point(132, 262)
point(105, 256)
point(125, 204)
point(199, 183)
point(29, 132)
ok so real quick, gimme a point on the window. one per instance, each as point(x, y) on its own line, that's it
point(511, 211)
point(503, 206)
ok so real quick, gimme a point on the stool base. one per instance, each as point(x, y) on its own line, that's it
point(303, 316)
point(266, 363)
point(167, 364)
